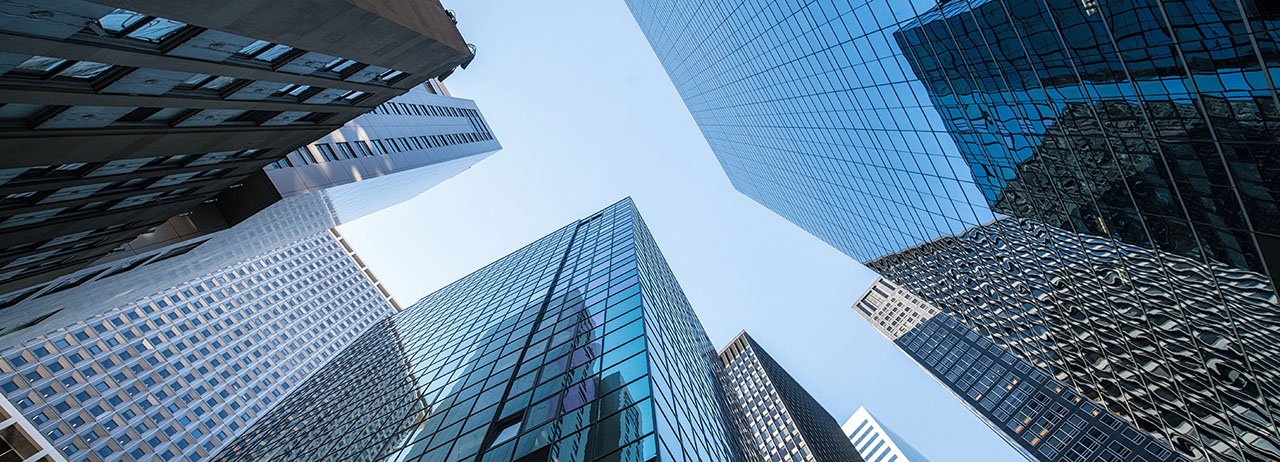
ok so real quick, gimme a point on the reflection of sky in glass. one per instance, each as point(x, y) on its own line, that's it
point(545, 354)
point(818, 115)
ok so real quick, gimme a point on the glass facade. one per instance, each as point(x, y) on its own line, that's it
point(176, 374)
point(1039, 416)
point(784, 421)
point(1161, 351)
point(1122, 138)
point(577, 347)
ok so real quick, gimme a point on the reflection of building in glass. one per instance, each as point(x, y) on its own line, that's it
point(103, 287)
point(545, 354)
point(178, 372)
point(877, 442)
point(784, 421)
point(1189, 357)
point(1039, 416)
point(1157, 127)
point(1140, 135)
point(120, 114)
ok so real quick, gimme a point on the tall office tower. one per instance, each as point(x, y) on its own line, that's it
point(419, 128)
point(1039, 416)
point(579, 346)
point(20, 441)
point(877, 442)
point(120, 114)
point(785, 421)
point(884, 126)
point(175, 374)
point(103, 287)
point(1162, 352)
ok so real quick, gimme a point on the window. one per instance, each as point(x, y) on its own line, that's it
point(123, 23)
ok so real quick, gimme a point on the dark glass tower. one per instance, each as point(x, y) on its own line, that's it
point(1160, 351)
point(1121, 138)
point(580, 346)
point(1039, 416)
point(785, 421)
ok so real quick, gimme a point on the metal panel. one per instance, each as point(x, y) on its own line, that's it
point(256, 91)
point(57, 19)
point(147, 82)
point(86, 117)
point(308, 63)
point(210, 117)
point(211, 45)
point(285, 118)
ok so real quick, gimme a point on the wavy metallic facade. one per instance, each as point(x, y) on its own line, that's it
point(1183, 350)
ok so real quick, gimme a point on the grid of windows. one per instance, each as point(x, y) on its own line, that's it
point(175, 375)
point(786, 423)
point(1037, 415)
point(876, 442)
point(122, 85)
point(1161, 320)
point(550, 353)
point(880, 126)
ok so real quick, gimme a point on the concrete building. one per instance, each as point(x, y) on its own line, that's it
point(784, 421)
point(102, 287)
point(118, 115)
point(175, 374)
point(419, 128)
point(877, 442)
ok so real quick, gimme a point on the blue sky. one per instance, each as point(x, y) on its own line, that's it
point(587, 116)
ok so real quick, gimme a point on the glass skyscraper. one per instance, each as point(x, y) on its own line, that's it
point(1121, 138)
point(1038, 415)
point(580, 346)
point(786, 423)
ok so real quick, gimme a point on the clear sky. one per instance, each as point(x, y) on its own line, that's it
point(587, 116)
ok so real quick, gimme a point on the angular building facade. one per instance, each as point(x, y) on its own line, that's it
point(1145, 128)
point(120, 114)
point(579, 346)
point(877, 442)
point(417, 129)
point(1161, 339)
point(106, 286)
point(1039, 416)
point(786, 423)
point(176, 374)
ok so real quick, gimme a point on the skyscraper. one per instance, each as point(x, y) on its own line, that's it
point(1039, 416)
point(103, 287)
point(785, 421)
point(579, 346)
point(1160, 351)
point(877, 442)
point(397, 151)
point(121, 114)
point(1148, 128)
point(19, 440)
point(419, 128)
point(175, 374)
